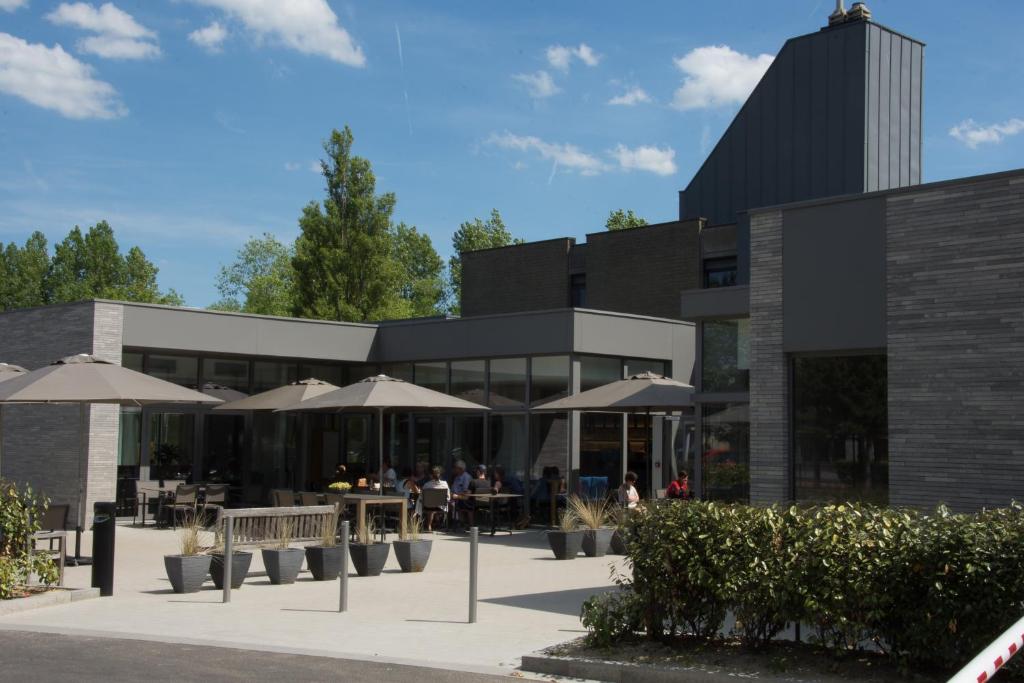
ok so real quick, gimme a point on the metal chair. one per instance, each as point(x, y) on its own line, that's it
point(433, 501)
point(282, 498)
point(186, 498)
point(216, 497)
point(309, 498)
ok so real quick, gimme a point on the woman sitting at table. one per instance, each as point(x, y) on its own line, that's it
point(435, 482)
point(408, 487)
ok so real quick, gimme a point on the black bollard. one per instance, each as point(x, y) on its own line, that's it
point(104, 522)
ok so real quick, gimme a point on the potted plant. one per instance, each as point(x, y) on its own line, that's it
point(593, 516)
point(340, 487)
point(567, 540)
point(240, 562)
point(187, 571)
point(368, 557)
point(281, 562)
point(411, 550)
point(324, 560)
point(618, 543)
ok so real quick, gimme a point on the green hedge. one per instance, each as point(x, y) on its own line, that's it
point(928, 590)
point(20, 512)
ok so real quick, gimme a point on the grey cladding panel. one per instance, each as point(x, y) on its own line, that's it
point(834, 276)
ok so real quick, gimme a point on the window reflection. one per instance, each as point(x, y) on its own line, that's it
point(726, 461)
point(725, 355)
point(508, 383)
point(549, 378)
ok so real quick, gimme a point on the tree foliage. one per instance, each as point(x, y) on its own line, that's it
point(83, 266)
point(623, 220)
point(261, 280)
point(351, 262)
point(472, 236)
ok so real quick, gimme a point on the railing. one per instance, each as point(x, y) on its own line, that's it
point(994, 657)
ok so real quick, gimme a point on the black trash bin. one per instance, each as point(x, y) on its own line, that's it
point(104, 522)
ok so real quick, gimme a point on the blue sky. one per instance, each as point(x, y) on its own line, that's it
point(191, 125)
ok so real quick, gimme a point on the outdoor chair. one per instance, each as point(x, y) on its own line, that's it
point(282, 498)
point(127, 498)
point(52, 527)
point(433, 501)
point(54, 519)
point(309, 498)
point(186, 497)
point(216, 497)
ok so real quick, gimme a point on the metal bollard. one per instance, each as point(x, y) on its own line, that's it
point(343, 574)
point(229, 529)
point(474, 545)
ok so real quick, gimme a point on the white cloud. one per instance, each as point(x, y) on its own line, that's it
point(717, 75)
point(644, 158)
point(118, 35)
point(972, 134)
point(539, 85)
point(307, 26)
point(210, 38)
point(568, 156)
point(291, 166)
point(51, 78)
point(11, 5)
point(560, 56)
point(631, 98)
point(315, 167)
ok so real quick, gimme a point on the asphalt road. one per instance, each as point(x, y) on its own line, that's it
point(33, 657)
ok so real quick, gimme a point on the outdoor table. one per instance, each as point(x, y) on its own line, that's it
point(361, 500)
point(491, 499)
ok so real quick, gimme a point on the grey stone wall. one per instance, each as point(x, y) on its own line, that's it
point(769, 386)
point(643, 270)
point(527, 277)
point(955, 320)
point(41, 444)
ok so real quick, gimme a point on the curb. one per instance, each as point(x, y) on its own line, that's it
point(627, 672)
point(57, 596)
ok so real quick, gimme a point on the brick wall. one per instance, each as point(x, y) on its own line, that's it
point(643, 270)
point(955, 319)
point(526, 277)
point(41, 444)
point(769, 386)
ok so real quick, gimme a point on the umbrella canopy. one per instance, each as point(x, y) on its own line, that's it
point(281, 397)
point(383, 394)
point(8, 371)
point(87, 379)
point(645, 392)
point(222, 392)
point(388, 394)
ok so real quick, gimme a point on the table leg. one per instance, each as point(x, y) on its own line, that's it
point(401, 518)
point(361, 519)
point(494, 521)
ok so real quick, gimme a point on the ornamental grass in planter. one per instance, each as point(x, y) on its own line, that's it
point(618, 542)
point(324, 560)
point(368, 557)
point(241, 560)
point(411, 550)
point(567, 540)
point(281, 562)
point(187, 570)
point(593, 515)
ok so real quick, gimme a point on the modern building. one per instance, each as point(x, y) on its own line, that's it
point(852, 333)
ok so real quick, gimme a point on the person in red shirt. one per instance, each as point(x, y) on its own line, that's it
point(680, 487)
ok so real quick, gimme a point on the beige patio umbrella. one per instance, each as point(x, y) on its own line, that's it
point(383, 394)
point(86, 379)
point(222, 392)
point(281, 397)
point(7, 371)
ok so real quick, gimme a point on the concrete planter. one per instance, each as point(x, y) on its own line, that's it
point(240, 562)
point(324, 561)
point(282, 564)
point(596, 542)
point(566, 545)
point(187, 572)
point(369, 559)
point(413, 555)
point(618, 544)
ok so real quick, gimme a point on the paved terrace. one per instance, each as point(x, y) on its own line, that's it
point(528, 600)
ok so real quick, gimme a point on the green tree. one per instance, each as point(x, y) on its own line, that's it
point(261, 280)
point(139, 283)
point(422, 272)
point(472, 236)
point(623, 220)
point(23, 273)
point(344, 263)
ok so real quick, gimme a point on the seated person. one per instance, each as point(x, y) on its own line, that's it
point(390, 478)
point(422, 473)
point(435, 482)
point(408, 487)
point(505, 483)
point(477, 485)
point(680, 487)
point(627, 493)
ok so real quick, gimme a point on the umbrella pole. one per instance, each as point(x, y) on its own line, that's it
point(1, 442)
point(83, 455)
point(380, 446)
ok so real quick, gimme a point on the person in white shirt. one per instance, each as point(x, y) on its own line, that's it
point(627, 494)
point(390, 476)
point(435, 482)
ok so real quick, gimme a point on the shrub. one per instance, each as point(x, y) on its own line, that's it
point(928, 590)
point(20, 512)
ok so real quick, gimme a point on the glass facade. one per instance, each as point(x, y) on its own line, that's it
point(467, 440)
point(635, 366)
point(600, 454)
point(227, 372)
point(132, 361)
point(467, 380)
point(840, 429)
point(224, 448)
point(183, 370)
point(129, 443)
point(402, 371)
point(598, 370)
point(549, 378)
point(267, 375)
point(325, 372)
point(725, 355)
point(508, 383)
point(432, 376)
point(509, 447)
point(172, 445)
point(726, 456)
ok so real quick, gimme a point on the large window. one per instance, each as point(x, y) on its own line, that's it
point(183, 370)
point(598, 370)
point(267, 375)
point(726, 461)
point(549, 378)
point(635, 366)
point(227, 372)
point(600, 453)
point(402, 371)
point(468, 380)
point(432, 376)
point(467, 441)
point(172, 445)
point(129, 443)
point(509, 447)
point(840, 429)
point(325, 372)
point(508, 383)
point(719, 272)
point(725, 355)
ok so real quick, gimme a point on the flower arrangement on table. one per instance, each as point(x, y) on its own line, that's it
point(340, 487)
